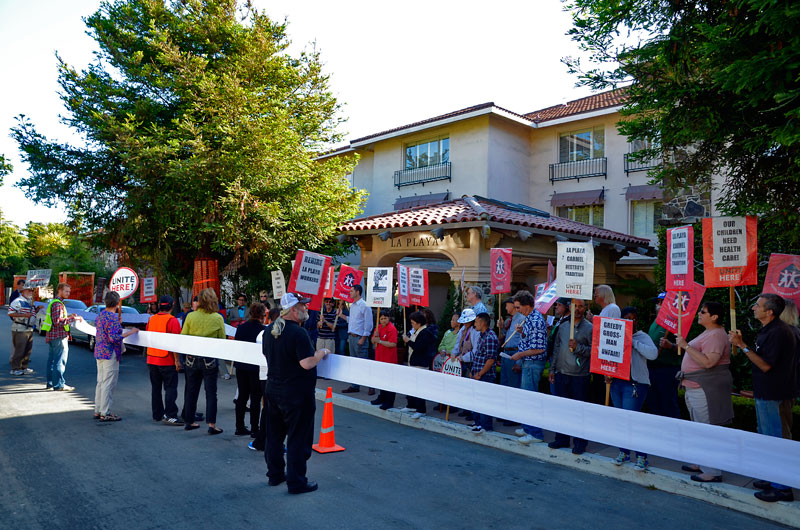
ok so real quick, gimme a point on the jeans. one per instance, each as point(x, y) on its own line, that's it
point(768, 415)
point(574, 387)
point(166, 376)
point(195, 376)
point(57, 362)
point(531, 374)
point(358, 350)
point(662, 399)
point(622, 396)
point(508, 377)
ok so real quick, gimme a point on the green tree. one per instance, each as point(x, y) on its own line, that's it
point(44, 239)
point(12, 250)
point(716, 84)
point(201, 134)
point(5, 168)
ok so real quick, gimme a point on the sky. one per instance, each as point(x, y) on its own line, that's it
point(390, 64)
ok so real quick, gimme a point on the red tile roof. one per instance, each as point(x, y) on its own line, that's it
point(604, 100)
point(460, 211)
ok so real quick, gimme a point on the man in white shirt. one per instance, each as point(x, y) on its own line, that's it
point(475, 299)
point(359, 327)
point(604, 297)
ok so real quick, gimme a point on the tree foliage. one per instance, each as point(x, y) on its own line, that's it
point(715, 83)
point(200, 138)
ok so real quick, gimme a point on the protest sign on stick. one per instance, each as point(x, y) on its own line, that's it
point(680, 306)
point(611, 349)
point(379, 287)
point(309, 274)
point(278, 285)
point(148, 292)
point(38, 277)
point(500, 261)
point(575, 274)
point(418, 286)
point(783, 277)
point(548, 297)
point(124, 282)
point(452, 366)
point(348, 277)
point(680, 258)
point(403, 298)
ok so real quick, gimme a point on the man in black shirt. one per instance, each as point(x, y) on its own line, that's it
point(289, 397)
point(773, 377)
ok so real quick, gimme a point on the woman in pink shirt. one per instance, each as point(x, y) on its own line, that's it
point(706, 376)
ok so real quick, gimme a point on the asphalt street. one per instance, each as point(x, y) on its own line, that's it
point(62, 470)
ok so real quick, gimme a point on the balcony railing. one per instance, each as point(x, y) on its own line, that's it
point(421, 175)
point(632, 166)
point(593, 167)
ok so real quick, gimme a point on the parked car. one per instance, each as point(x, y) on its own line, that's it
point(95, 310)
point(71, 305)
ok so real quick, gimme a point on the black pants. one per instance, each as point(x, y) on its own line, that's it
point(573, 387)
point(417, 404)
point(386, 398)
point(292, 420)
point(249, 388)
point(166, 377)
point(194, 378)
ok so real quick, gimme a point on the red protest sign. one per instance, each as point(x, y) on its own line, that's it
point(348, 277)
point(147, 293)
point(309, 275)
point(611, 347)
point(680, 258)
point(500, 260)
point(403, 298)
point(729, 251)
point(418, 286)
point(547, 298)
point(330, 282)
point(783, 276)
point(667, 318)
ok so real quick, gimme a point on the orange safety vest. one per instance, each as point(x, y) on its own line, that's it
point(158, 323)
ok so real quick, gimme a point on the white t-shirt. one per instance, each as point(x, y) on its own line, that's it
point(611, 310)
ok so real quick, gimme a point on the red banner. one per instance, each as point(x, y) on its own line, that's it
point(611, 347)
point(547, 298)
point(500, 261)
point(783, 277)
point(730, 245)
point(668, 316)
point(348, 277)
point(680, 258)
point(309, 277)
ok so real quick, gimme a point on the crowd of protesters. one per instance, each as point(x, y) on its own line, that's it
point(522, 349)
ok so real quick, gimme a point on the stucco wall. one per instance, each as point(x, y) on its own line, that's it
point(509, 161)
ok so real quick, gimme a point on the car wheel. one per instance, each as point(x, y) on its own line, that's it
point(91, 343)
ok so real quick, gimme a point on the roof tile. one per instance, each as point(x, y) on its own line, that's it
point(604, 100)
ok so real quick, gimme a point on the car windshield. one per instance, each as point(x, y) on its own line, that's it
point(75, 304)
point(131, 310)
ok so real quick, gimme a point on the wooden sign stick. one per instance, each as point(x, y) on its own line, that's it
point(509, 338)
point(680, 318)
point(734, 350)
point(608, 393)
point(572, 323)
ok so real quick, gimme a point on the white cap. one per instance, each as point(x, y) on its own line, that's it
point(467, 315)
point(289, 300)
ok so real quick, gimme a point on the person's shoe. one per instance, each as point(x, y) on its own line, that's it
point(701, 478)
point(578, 450)
point(350, 390)
point(762, 484)
point(172, 421)
point(641, 464)
point(774, 495)
point(65, 388)
point(17, 372)
point(622, 457)
point(29, 371)
point(251, 446)
point(520, 432)
point(385, 407)
point(214, 430)
point(307, 488)
point(690, 469)
point(557, 445)
point(274, 481)
point(478, 429)
point(527, 439)
point(241, 432)
point(48, 387)
point(190, 427)
point(375, 402)
point(406, 409)
point(371, 392)
point(226, 376)
point(417, 415)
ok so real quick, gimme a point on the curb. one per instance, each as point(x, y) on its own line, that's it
point(720, 494)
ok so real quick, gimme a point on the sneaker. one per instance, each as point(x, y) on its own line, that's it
point(65, 388)
point(29, 371)
point(417, 415)
point(406, 409)
point(17, 372)
point(622, 457)
point(520, 432)
point(172, 421)
point(251, 446)
point(773, 495)
point(525, 440)
point(478, 429)
point(641, 464)
point(226, 376)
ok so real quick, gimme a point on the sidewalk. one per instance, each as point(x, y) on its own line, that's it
point(736, 492)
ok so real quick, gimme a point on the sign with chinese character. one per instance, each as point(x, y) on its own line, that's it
point(124, 282)
point(611, 347)
point(680, 258)
point(667, 317)
point(500, 261)
point(418, 286)
point(379, 287)
point(546, 300)
point(402, 286)
point(38, 277)
point(309, 275)
point(148, 293)
point(783, 277)
point(278, 285)
point(575, 270)
point(729, 251)
point(348, 277)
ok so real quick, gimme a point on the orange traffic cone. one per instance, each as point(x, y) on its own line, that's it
point(327, 438)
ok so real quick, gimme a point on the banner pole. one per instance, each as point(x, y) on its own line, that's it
point(572, 323)
point(680, 318)
point(404, 321)
point(499, 314)
point(734, 350)
point(608, 394)
point(447, 414)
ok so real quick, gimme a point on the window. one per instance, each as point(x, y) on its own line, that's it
point(590, 215)
point(428, 153)
point(582, 145)
point(645, 216)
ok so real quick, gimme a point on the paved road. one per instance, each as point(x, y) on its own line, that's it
point(62, 470)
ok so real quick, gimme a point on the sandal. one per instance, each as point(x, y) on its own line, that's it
point(97, 416)
point(110, 417)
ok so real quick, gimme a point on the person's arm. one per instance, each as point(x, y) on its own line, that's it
point(736, 339)
point(367, 325)
point(310, 362)
point(644, 345)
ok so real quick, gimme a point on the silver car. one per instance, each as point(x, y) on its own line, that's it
point(71, 305)
point(94, 311)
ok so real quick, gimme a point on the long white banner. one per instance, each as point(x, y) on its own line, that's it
point(733, 450)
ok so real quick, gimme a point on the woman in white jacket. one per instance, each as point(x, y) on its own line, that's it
point(630, 395)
